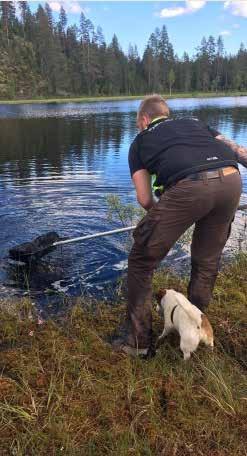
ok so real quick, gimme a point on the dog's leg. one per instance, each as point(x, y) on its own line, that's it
point(186, 355)
point(161, 337)
point(188, 346)
point(165, 332)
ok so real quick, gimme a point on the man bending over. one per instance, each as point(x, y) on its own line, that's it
point(197, 169)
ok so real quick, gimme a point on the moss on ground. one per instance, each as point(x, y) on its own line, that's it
point(64, 391)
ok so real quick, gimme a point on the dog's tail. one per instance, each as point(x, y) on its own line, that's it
point(192, 311)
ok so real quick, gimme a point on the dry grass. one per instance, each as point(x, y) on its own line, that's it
point(64, 391)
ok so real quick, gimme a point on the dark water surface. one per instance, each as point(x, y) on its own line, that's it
point(58, 162)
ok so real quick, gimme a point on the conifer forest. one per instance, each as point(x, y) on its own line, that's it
point(40, 57)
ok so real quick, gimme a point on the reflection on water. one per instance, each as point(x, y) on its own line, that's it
point(58, 163)
point(58, 147)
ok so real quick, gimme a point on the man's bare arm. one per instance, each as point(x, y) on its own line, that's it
point(240, 151)
point(142, 182)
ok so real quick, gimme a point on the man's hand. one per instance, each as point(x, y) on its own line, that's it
point(142, 183)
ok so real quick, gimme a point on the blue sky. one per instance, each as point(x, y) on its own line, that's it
point(186, 21)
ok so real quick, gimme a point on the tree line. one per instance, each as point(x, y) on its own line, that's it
point(42, 57)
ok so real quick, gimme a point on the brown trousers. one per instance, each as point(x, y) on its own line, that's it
point(210, 205)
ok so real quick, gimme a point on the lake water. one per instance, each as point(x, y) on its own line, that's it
point(58, 163)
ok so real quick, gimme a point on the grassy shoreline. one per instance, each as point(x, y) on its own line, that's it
point(64, 391)
point(121, 98)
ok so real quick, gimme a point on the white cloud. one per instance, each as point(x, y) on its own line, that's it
point(70, 6)
point(237, 7)
point(195, 4)
point(172, 12)
point(55, 6)
point(75, 8)
point(225, 33)
point(236, 26)
point(191, 6)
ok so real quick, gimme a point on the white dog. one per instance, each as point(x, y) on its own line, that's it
point(179, 314)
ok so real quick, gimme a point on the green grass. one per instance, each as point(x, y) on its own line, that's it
point(64, 391)
point(85, 99)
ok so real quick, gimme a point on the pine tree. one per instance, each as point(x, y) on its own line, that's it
point(27, 21)
point(100, 37)
point(219, 62)
point(62, 19)
point(84, 31)
point(148, 60)
point(48, 12)
point(8, 19)
point(171, 79)
point(61, 28)
point(187, 72)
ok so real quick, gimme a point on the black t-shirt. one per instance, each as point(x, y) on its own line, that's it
point(172, 149)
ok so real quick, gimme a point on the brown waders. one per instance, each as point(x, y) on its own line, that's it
point(210, 204)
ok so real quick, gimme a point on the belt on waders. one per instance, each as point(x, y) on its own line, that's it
point(211, 174)
point(200, 175)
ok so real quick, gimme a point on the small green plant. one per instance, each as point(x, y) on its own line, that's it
point(127, 214)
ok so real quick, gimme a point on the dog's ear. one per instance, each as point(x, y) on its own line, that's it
point(160, 294)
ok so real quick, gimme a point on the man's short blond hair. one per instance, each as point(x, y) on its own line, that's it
point(153, 106)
